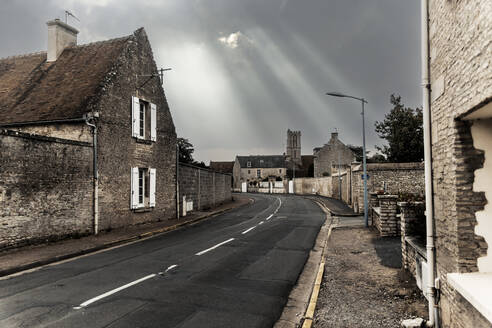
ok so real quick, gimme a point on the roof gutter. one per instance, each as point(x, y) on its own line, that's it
point(68, 120)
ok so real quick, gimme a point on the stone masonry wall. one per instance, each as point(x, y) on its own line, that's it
point(461, 74)
point(206, 188)
point(386, 221)
point(46, 188)
point(406, 178)
point(319, 186)
point(119, 151)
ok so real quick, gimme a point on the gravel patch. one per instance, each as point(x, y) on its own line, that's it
point(363, 285)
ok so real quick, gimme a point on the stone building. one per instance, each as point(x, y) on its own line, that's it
point(460, 34)
point(51, 106)
point(258, 168)
point(333, 153)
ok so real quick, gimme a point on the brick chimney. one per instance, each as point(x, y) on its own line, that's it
point(60, 36)
point(334, 136)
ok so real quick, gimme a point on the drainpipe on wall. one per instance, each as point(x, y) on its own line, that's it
point(177, 182)
point(92, 117)
point(429, 204)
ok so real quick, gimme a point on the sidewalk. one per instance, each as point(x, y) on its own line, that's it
point(20, 259)
point(336, 206)
point(363, 285)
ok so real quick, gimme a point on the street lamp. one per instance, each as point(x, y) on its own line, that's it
point(363, 101)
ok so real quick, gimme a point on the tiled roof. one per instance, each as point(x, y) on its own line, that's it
point(263, 161)
point(224, 167)
point(32, 89)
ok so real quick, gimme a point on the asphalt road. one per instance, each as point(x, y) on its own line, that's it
point(234, 270)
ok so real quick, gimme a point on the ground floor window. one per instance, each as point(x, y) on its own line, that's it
point(143, 187)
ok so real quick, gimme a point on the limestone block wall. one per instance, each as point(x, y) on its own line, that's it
point(394, 178)
point(205, 188)
point(46, 188)
point(461, 71)
point(413, 231)
point(309, 186)
point(387, 222)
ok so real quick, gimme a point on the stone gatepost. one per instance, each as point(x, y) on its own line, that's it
point(388, 225)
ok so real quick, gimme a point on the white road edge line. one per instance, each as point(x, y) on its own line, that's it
point(248, 230)
point(261, 222)
point(171, 267)
point(111, 292)
point(214, 247)
point(268, 218)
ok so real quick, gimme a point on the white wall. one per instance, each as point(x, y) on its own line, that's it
point(482, 139)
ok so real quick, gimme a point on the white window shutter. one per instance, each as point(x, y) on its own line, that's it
point(135, 117)
point(134, 188)
point(153, 122)
point(152, 188)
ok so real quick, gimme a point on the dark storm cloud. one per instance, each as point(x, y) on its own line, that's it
point(246, 70)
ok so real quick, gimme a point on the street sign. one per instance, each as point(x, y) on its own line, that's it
point(362, 176)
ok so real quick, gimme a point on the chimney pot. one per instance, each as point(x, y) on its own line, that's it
point(60, 36)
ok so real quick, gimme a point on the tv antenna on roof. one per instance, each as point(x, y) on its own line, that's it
point(68, 13)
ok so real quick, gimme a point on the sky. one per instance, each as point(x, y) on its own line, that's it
point(245, 71)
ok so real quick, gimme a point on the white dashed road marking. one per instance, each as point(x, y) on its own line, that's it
point(214, 247)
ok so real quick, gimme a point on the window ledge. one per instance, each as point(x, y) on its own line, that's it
point(144, 141)
point(476, 288)
point(143, 209)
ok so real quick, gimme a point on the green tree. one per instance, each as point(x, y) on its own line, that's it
point(358, 151)
point(185, 151)
point(402, 129)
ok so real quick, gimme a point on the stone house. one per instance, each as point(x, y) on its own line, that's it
point(333, 153)
point(257, 168)
point(88, 142)
point(460, 39)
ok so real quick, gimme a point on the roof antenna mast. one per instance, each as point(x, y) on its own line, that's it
point(69, 13)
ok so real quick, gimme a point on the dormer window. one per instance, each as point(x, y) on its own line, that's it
point(248, 164)
point(144, 117)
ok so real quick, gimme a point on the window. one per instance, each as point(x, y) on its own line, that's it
point(144, 117)
point(280, 171)
point(248, 164)
point(258, 173)
point(143, 189)
point(249, 171)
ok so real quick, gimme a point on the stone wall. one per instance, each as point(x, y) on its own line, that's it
point(314, 186)
point(384, 218)
point(394, 178)
point(205, 188)
point(46, 188)
point(119, 151)
point(413, 233)
point(461, 71)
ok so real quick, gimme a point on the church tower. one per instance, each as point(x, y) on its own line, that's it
point(294, 146)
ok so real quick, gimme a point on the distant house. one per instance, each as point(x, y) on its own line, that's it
point(222, 167)
point(87, 141)
point(333, 153)
point(259, 168)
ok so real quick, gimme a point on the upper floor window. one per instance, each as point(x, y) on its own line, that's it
point(258, 173)
point(144, 117)
point(248, 164)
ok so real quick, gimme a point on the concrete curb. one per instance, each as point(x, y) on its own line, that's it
point(300, 297)
point(309, 315)
point(142, 236)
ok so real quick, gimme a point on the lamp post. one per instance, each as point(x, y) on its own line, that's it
point(363, 101)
